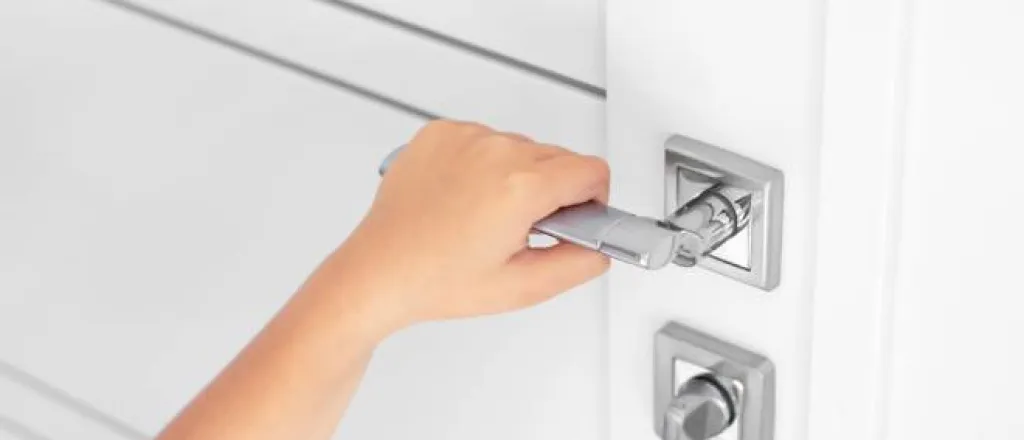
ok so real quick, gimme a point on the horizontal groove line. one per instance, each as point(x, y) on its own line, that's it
point(18, 430)
point(273, 59)
point(448, 40)
point(69, 402)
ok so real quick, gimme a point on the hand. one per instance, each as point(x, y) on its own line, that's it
point(446, 236)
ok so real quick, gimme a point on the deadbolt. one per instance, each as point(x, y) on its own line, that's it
point(703, 407)
point(706, 388)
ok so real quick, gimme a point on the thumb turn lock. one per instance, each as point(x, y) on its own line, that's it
point(712, 197)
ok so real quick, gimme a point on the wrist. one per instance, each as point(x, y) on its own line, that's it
point(355, 300)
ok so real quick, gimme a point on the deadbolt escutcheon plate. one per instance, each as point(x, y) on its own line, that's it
point(753, 374)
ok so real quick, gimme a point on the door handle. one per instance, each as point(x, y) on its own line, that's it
point(706, 206)
point(637, 240)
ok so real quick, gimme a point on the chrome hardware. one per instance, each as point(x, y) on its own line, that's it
point(709, 206)
point(641, 241)
point(636, 240)
point(715, 216)
point(720, 194)
point(706, 388)
point(702, 408)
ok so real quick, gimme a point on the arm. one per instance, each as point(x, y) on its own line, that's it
point(445, 238)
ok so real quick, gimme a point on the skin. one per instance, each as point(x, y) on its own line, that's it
point(445, 238)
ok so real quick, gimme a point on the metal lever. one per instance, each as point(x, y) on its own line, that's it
point(649, 243)
point(637, 240)
point(703, 408)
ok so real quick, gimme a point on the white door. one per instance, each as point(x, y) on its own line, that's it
point(170, 171)
point(898, 280)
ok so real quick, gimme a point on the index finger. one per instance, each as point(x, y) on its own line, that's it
point(571, 179)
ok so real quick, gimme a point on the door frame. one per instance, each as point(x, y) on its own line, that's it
point(867, 45)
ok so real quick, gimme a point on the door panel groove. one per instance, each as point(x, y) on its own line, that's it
point(273, 59)
point(466, 46)
point(64, 400)
point(18, 430)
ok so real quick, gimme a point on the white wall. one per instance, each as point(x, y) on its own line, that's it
point(163, 194)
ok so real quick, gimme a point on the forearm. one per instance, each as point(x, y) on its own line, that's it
point(446, 238)
point(295, 379)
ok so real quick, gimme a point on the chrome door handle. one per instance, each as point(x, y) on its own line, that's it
point(711, 195)
point(641, 241)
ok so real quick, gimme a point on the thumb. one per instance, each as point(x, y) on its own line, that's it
point(536, 275)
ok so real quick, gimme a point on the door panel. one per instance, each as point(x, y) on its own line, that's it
point(861, 155)
point(921, 102)
point(164, 195)
point(748, 82)
point(402, 65)
point(153, 190)
point(566, 36)
point(31, 410)
point(956, 306)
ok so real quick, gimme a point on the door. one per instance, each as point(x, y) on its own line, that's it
point(882, 116)
point(748, 82)
point(171, 171)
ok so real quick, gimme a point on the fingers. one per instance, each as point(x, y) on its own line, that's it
point(535, 275)
point(549, 176)
point(528, 147)
point(545, 151)
point(448, 135)
point(447, 130)
point(461, 133)
point(573, 179)
point(516, 137)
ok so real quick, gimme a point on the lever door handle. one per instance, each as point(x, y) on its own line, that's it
point(637, 240)
point(711, 196)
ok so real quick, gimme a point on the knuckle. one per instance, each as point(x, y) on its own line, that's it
point(522, 185)
point(444, 134)
point(598, 166)
point(603, 166)
point(500, 139)
point(473, 129)
point(438, 126)
point(498, 146)
point(432, 134)
point(515, 137)
point(594, 170)
point(554, 149)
